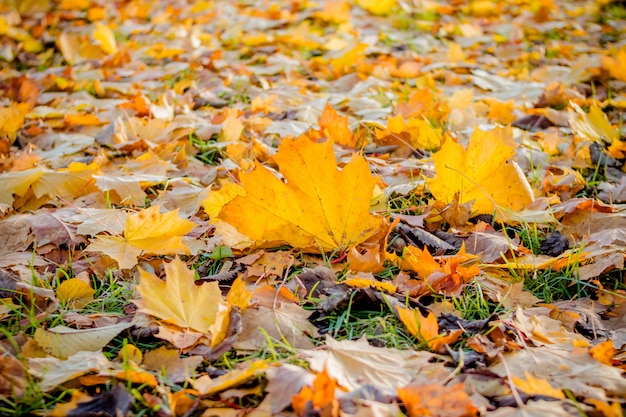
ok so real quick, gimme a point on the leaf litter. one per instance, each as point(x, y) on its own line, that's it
point(312, 208)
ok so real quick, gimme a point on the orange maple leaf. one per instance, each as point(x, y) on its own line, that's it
point(317, 207)
point(321, 397)
point(426, 329)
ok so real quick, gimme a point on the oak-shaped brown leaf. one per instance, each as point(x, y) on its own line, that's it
point(316, 207)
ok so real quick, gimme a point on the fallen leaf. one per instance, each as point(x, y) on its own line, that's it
point(437, 401)
point(75, 293)
point(63, 342)
point(484, 172)
point(535, 386)
point(356, 362)
point(426, 329)
point(319, 207)
point(180, 302)
point(148, 231)
point(320, 397)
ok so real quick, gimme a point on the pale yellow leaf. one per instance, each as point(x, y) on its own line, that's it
point(105, 36)
point(179, 301)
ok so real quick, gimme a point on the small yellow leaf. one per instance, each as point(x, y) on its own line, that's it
point(105, 36)
point(179, 301)
point(370, 283)
point(207, 386)
point(238, 295)
point(75, 293)
point(11, 120)
point(378, 7)
point(535, 386)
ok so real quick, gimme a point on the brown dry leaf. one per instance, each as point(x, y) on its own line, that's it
point(319, 208)
point(53, 371)
point(179, 301)
point(11, 377)
point(285, 322)
point(575, 370)
point(437, 401)
point(170, 365)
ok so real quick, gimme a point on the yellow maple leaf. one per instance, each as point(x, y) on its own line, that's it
point(318, 207)
point(105, 36)
point(484, 172)
point(148, 231)
point(536, 386)
point(377, 7)
point(179, 301)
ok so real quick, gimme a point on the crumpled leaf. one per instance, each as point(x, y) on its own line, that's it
point(484, 172)
point(317, 207)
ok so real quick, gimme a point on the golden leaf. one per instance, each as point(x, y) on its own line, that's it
point(148, 231)
point(179, 301)
point(377, 7)
point(536, 386)
point(75, 293)
point(105, 36)
point(336, 127)
point(319, 207)
point(483, 172)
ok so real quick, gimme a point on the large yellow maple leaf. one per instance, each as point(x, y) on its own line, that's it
point(316, 207)
point(148, 231)
point(484, 172)
point(181, 302)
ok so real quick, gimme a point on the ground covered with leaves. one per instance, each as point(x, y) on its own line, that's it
point(312, 208)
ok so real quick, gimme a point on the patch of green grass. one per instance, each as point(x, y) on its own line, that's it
point(552, 286)
point(473, 304)
point(208, 151)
